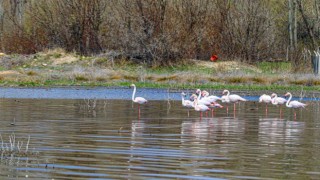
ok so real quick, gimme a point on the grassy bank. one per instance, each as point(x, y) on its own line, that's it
point(57, 68)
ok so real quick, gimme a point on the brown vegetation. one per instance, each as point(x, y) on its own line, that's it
point(162, 32)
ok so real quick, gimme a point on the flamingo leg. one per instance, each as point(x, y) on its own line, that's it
point(212, 112)
point(188, 113)
point(266, 108)
point(227, 109)
point(139, 111)
point(200, 115)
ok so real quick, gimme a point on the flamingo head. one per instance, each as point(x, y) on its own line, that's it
point(214, 104)
point(193, 97)
point(287, 94)
point(195, 102)
point(273, 95)
point(198, 91)
point(132, 85)
point(183, 94)
point(224, 91)
point(204, 93)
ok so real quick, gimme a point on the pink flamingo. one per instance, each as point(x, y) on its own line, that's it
point(211, 98)
point(201, 100)
point(266, 99)
point(275, 100)
point(233, 98)
point(294, 104)
point(186, 103)
point(200, 107)
point(214, 105)
point(139, 100)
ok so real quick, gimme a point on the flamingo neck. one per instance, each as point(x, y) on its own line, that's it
point(199, 96)
point(228, 93)
point(288, 102)
point(134, 92)
point(273, 100)
point(183, 102)
point(195, 104)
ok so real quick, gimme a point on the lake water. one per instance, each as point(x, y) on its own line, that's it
point(72, 137)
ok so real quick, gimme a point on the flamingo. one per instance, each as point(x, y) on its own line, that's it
point(200, 107)
point(193, 97)
point(275, 100)
point(214, 105)
point(212, 98)
point(233, 98)
point(139, 100)
point(203, 101)
point(266, 99)
point(186, 103)
point(294, 104)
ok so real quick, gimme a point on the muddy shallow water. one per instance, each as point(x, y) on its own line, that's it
point(77, 138)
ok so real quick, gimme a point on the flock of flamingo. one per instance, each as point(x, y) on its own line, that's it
point(201, 101)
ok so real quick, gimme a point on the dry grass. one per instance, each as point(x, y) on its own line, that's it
point(315, 82)
point(115, 77)
point(31, 73)
point(64, 67)
point(259, 80)
point(130, 77)
point(101, 79)
point(227, 66)
point(64, 60)
point(166, 78)
point(236, 79)
point(80, 77)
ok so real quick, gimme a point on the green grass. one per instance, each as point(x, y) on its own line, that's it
point(273, 67)
point(181, 68)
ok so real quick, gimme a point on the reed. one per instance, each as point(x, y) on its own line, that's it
point(15, 148)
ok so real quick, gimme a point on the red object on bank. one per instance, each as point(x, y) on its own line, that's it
point(214, 58)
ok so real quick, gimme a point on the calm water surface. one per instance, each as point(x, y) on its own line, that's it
point(71, 140)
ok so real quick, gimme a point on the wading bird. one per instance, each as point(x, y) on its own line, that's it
point(265, 99)
point(139, 100)
point(200, 107)
point(186, 103)
point(210, 98)
point(275, 100)
point(294, 104)
point(231, 98)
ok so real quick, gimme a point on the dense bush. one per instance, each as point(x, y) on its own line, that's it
point(162, 31)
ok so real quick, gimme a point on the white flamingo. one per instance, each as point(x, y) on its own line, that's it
point(186, 103)
point(203, 101)
point(275, 100)
point(200, 107)
point(139, 100)
point(211, 98)
point(233, 98)
point(294, 104)
point(265, 99)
